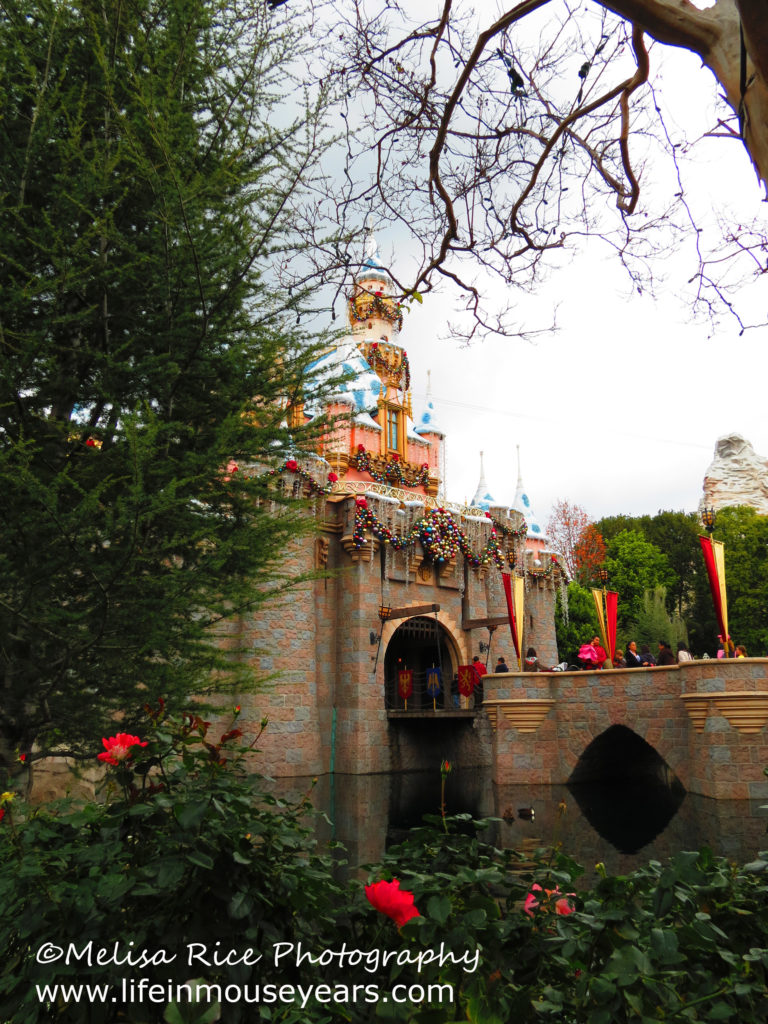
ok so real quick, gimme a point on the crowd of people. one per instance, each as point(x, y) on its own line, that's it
point(593, 656)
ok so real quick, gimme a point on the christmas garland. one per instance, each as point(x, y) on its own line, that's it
point(546, 570)
point(439, 535)
point(381, 362)
point(438, 532)
point(314, 487)
point(393, 470)
point(364, 305)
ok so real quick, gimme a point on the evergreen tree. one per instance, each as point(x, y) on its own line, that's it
point(144, 178)
point(654, 623)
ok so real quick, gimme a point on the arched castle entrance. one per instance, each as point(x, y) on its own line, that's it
point(418, 644)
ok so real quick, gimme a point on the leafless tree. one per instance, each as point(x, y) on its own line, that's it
point(503, 141)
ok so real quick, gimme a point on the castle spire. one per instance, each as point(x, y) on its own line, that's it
point(483, 497)
point(522, 503)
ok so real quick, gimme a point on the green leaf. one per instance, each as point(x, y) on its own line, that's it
point(200, 859)
point(190, 815)
point(240, 905)
point(720, 1011)
point(438, 909)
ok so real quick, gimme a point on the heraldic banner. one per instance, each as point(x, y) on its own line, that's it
point(514, 591)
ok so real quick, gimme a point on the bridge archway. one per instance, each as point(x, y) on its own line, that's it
point(625, 788)
point(418, 644)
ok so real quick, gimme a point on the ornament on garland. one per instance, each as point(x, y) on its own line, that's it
point(393, 473)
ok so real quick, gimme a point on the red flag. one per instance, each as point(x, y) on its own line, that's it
point(467, 680)
point(611, 607)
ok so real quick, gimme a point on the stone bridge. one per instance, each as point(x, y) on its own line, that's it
point(706, 720)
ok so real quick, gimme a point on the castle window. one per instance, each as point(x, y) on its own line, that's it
point(393, 417)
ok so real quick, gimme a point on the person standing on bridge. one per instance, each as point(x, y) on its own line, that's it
point(666, 655)
point(632, 658)
point(600, 651)
point(480, 670)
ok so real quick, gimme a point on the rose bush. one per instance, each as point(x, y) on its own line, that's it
point(186, 845)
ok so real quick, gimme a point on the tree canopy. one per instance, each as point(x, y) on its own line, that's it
point(145, 363)
point(634, 565)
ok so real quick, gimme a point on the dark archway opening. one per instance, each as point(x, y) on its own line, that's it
point(419, 644)
point(625, 789)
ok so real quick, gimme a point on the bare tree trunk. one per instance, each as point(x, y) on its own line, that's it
point(714, 34)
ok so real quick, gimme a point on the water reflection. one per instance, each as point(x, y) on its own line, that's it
point(622, 826)
point(628, 815)
point(625, 789)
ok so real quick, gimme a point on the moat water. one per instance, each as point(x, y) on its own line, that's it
point(623, 825)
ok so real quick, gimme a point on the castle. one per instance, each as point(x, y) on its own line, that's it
point(411, 583)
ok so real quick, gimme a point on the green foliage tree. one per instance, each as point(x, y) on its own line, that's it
point(634, 566)
point(145, 177)
point(677, 535)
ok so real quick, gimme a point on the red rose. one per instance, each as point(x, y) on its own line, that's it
point(332, 478)
point(389, 899)
point(361, 447)
point(361, 502)
point(119, 748)
point(292, 464)
point(2, 813)
point(395, 457)
point(90, 443)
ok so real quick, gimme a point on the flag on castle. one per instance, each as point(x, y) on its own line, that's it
point(514, 591)
point(714, 559)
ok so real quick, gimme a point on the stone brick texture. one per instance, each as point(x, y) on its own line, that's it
point(719, 761)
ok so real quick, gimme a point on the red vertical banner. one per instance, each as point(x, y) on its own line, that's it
point(514, 625)
point(405, 682)
point(467, 679)
point(611, 609)
point(716, 585)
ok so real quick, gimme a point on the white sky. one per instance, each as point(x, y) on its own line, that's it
point(620, 410)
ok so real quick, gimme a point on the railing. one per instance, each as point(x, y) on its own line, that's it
point(420, 700)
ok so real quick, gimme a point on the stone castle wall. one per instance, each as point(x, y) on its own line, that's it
point(325, 704)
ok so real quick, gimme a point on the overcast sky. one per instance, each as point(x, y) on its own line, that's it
point(620, 409)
